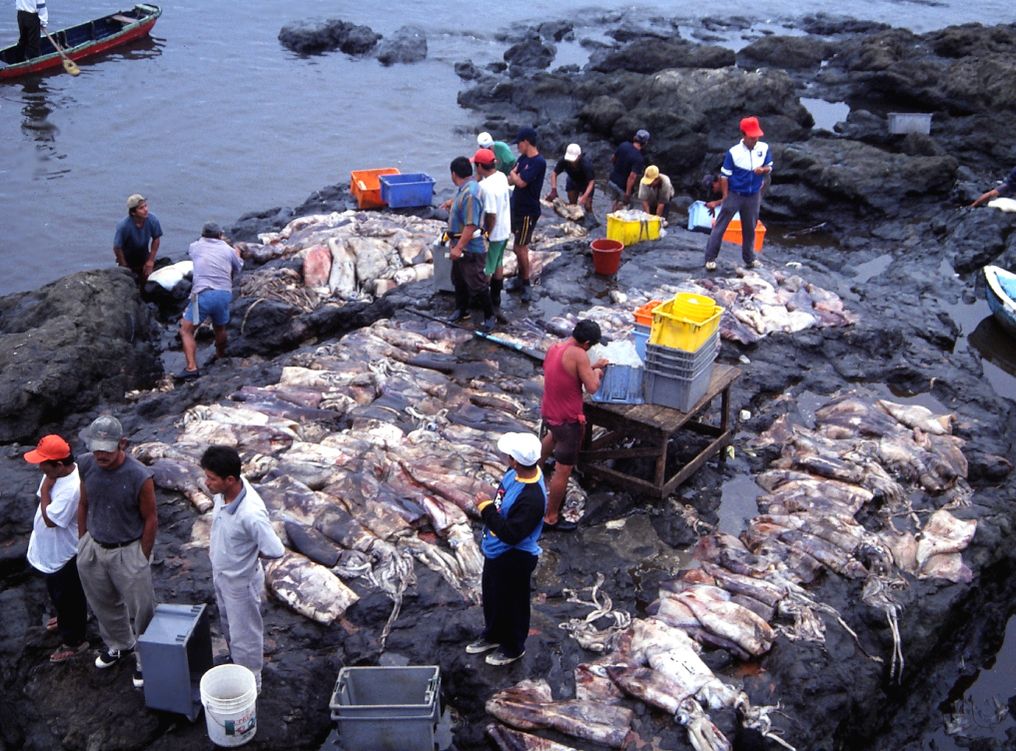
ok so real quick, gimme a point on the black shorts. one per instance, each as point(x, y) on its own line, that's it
point(522, 228)
point(567, 441)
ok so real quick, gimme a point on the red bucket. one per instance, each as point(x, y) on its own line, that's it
point(606, 256)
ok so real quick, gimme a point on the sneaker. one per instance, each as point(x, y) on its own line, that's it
point(488, 325)
point(710, 265)
point(138, 679)
point(109, 657)
point(64, 653)
point(527, 294)
point(752, 264)
point(561, 525)
point(500, 658)
point(457, 316)
point(480, 646)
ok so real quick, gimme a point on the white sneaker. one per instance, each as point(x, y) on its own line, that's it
point(710, 265)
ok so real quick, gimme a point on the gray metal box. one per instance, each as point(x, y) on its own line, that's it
point(442, 269)
point(176, 650)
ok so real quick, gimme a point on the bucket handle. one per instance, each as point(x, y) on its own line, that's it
point(644, 229)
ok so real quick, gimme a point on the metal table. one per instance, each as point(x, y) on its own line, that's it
point(651, 426)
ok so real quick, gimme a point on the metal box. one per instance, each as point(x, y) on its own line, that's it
point(442, 268)
point(176, 650)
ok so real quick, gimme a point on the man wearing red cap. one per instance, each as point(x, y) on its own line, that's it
point(53, 546)
point(744, 170)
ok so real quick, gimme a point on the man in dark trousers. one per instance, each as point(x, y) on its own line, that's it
point(513, 521)
point(468, 253)
point(628, 162)
point(33, 16)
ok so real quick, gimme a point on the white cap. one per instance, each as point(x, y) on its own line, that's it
point(484, 140)
point(573, 152)
point(524, 448)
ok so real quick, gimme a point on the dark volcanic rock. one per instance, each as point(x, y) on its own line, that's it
point(313, 37)
point(407, 45)
point(530, 54)
point(785, 52)
point(82, 339)
point(642, 56)
point(826, 25)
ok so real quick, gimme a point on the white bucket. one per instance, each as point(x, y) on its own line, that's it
point(229, 695)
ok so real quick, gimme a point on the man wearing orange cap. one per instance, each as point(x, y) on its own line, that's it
point(742, 176)
point(53, 546)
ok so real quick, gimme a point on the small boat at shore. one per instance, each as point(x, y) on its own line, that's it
point(84, 40)
point(999, 291)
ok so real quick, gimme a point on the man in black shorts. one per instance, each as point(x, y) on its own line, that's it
point(527, 177)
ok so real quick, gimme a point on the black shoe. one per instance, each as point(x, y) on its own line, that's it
point(501, 317)
point(187, 375)
point(513, 285)
point(458, 315)
point(138, 679)
point(527, 294)
point(562, 525)
point(488, 325)
point(109, 657)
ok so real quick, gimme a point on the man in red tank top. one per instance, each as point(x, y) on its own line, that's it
point(566, 370)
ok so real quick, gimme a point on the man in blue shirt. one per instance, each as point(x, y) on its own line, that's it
point(742, 176)
point(137, 238)
point(513, 522)
point(527, 177)
point(468, 253)
point(629, 161)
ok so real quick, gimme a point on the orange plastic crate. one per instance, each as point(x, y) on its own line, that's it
point(733, 234)
point(644, 315)
point(365, 185)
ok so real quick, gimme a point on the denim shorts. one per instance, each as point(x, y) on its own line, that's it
point(213, 303)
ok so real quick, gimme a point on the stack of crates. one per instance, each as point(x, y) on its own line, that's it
point(682, 348)
point(643, 324)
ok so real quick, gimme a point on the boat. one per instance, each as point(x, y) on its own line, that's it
point(84, 40)
point(1002, 305)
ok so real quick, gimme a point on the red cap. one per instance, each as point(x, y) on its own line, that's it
point(51, 448)
point(751, 128)
point(485, 157)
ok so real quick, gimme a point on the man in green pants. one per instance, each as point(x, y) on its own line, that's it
point(496, 221)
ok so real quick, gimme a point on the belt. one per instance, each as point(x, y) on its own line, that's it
point(115, 545)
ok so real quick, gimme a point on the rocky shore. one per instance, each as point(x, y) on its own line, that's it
point(355, 395)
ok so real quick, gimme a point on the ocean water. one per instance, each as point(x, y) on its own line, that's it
point(212, 117)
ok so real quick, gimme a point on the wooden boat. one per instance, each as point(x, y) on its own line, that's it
point(1002, 306)
point(84, 40)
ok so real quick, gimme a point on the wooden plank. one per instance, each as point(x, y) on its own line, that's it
point(618, 453)
point(693, 466)
point(627, 481)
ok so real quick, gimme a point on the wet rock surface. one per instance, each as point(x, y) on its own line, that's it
point(315, 37)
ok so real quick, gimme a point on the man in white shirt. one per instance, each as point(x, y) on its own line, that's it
point(32, 17)
point(53, 546)
point(497, 221)
point(241, 534)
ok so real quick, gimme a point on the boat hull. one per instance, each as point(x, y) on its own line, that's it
point(1001, 305)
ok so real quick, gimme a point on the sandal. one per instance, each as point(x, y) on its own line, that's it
point(52, 624)
point(64, 653)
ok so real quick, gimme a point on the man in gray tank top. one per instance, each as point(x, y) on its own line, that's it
point(117, 522)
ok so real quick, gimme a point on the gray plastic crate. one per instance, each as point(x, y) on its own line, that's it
point(387, 708)
point(670, 361)
point(909, 122)
point(674, 391)
point(176, 650)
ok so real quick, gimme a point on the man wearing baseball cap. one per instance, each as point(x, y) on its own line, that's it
point(53, 546)
point(628, 161)
point(468, 253)
point(497, 221)
point(581, 180)
point(137, 238)
point(742, 177)
point(527, 176)
point(502, 152)
point(655, 192)
point(513, 521)
point(117, 522)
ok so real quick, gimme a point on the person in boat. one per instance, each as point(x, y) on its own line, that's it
point(33, 16)
point(137, 238)
point(1006, 190)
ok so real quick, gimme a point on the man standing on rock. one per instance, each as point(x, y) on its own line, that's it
point(137, 238)
point(468, 254)
point(117, 523)
point(1006, 190)
point(566, 370)
point(53, 546)
point(512, 524)
point(656, 192)
point(241, 534)
point(628, 161)
point(581, 180)
point(527, 176)
point(215, 265)
point(742, 177)
point(503, 153)
point(497, 221)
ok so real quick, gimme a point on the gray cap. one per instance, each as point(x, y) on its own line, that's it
point(642, 135)
point(103, 434)
point(211, 229)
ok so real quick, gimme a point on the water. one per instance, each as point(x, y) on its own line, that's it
point(212, 117)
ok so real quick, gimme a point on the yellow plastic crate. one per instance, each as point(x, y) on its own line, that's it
point(633, 231)
point(693, 307)
point(671, 329)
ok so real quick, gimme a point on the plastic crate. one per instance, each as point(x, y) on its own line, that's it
point(621, 384)
point(909, 122)
point(387, 708)
point(733, 234)
point(644, 314)
point(699, 217)
point(676, 392)
point(641, 338)
point(633, 231)
point(693, 306)
point(684, 364)
point(176, 649)
point(365, 185)
point(670, 330)
point(407, 190)
point(442, 268)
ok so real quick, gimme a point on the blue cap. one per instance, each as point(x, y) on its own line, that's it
point(527, 134)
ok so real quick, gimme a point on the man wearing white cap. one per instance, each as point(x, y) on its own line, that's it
point(503, 153)
point(581, 180)
point(137, 238)
point(513, 522)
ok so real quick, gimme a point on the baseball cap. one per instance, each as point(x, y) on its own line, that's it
point(484, 140)
point(751, 128)
point(103, 434)
point(484, 157)
point(642, 135)
point(649, 176)
point(51, 448)
point(134, 200)
point(524, 448)
point(573, 152)
point(527, 134)
point(211, 229)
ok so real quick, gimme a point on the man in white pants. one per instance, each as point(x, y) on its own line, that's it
point(241, 534)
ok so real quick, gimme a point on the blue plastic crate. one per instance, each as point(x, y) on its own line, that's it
point(700, 219)
point(641, 338)
point(621, 384)
point(407, 190)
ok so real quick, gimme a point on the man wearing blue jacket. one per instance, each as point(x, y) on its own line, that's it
point(742, 176)
point(513, 522)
